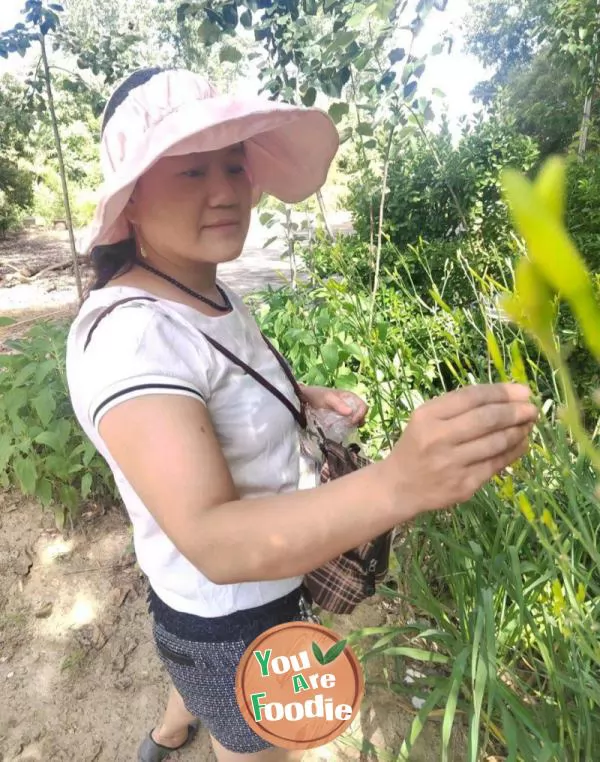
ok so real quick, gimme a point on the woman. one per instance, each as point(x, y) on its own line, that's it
point(226, 515)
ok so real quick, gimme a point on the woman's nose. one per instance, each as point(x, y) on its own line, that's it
point(221, 188)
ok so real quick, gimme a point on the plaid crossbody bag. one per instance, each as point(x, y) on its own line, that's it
point(341, 584)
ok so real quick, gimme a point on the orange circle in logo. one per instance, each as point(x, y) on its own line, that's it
point(299, 685)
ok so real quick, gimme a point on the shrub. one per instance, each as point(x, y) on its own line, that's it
point(583, 206)
point(16, 193)
point(43, 451)
point(437, 192)
point(49, 204)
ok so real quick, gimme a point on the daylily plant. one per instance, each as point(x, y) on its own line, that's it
point(552, 270)
point(554, 265)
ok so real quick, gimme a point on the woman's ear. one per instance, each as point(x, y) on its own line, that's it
point(130, 209)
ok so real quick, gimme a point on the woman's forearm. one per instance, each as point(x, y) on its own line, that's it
point(290, 534)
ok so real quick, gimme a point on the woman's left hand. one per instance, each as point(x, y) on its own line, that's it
point(342, 402)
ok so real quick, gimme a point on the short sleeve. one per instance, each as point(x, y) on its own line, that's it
point(134, 351)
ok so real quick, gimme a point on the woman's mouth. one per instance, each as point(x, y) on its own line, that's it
point(223, 225)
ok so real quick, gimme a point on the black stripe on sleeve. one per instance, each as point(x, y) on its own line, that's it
point(141, 387)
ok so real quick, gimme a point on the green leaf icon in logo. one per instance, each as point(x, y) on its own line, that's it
point(331, 655)
point(318, 653)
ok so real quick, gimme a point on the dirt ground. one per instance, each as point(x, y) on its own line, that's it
point(79, 678)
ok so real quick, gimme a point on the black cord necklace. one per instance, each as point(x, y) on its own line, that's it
point(219, 307)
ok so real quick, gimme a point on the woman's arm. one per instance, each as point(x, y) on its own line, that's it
point(168, 451)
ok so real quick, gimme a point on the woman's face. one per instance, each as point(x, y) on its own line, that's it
point(194, 207)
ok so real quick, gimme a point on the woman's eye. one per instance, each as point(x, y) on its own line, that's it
point(194, 173)
point(237, 170)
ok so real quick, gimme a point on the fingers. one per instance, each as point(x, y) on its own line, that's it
point(461, 401)
point(489, 419)
point(360, 415)
point(334, 401)
point(493, 445)
point(484, 471)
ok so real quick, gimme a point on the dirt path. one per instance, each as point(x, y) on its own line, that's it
point(79, 678)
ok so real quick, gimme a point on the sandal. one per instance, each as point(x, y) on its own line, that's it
point(150, 751)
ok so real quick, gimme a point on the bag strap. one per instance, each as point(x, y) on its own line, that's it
point(299, 415)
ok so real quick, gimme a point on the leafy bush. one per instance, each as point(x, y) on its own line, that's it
point(16, 181)
point(437, 192)
point(583, 206)
point(43, 451)
point(16, 193)
point(49, 204)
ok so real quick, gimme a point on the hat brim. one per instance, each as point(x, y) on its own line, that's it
point(289, 151)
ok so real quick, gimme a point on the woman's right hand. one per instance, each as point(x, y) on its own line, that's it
point(455, 443)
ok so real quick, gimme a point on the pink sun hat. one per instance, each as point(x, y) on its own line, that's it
point(289, 149)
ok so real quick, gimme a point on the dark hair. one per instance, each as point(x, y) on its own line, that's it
point(115, 259)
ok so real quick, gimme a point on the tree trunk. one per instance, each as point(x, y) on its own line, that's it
point(291, 246)
point(386, 167)
point(585, 126)
point(591, 89)
point(324, 215)
point(61, 166)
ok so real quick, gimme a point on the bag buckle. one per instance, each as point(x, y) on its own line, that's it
point(306, 611)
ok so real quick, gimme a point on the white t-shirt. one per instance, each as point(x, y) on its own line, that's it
point(147, 347)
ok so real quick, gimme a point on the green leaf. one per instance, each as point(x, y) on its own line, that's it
point(456, 679)
point(86, 485)
point(309, 97)
point(418, 654)
point(437, 49)
point(6, 450)
point(318, 653)
point(334, 651)
point(365, 130)
point(43, 492)
point(88, 453)
point(60, 517)
point(44, 370)
point(47, 438)
point(246, 19)
point(356, 21)
point(26, 474)
point(69, 496)
point(230, 54)
point(337, 111)
point(44, 405)
point(363, 60)
point(63, 432)
point(410, 89)
point(25, 374)
point(57, 465)
point(396, 55)
point(330, 355)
